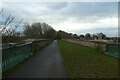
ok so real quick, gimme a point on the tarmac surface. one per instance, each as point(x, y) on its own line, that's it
point(47, 63)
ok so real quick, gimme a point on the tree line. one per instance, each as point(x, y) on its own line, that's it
point(38, 30)
point(88, 36)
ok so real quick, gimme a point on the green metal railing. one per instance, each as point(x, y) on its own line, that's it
point(13, 55)
point(113, 50)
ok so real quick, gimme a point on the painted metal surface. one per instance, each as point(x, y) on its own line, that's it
point(14, 55)
point(113, 50)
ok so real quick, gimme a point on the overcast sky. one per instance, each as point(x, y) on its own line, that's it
point(75, 17)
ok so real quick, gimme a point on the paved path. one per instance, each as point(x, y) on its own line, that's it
point(47, 64)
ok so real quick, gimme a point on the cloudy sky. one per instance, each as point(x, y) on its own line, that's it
point(74, 17)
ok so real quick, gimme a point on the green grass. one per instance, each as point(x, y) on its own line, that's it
point(85, 62)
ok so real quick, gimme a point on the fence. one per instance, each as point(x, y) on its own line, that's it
point(109, 49)
point(93, 44)
point(13, 55)
point(96, 45)
point(113, 50)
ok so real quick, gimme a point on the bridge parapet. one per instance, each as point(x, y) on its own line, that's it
point(15, 54)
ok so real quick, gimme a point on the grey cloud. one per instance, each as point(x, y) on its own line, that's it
point(88, 11)
point(56, 5)
point(56, 13)
point(81, 11)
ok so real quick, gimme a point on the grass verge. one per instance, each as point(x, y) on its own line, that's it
point(85, 62)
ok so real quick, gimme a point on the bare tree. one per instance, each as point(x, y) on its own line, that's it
point(1, 11)
point(13, 32)
point(5, 24)
point(88, 36)
point(38, 30)
point(8, 30)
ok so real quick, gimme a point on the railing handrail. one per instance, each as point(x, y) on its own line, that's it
point(17, 53)
point(17, 45)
